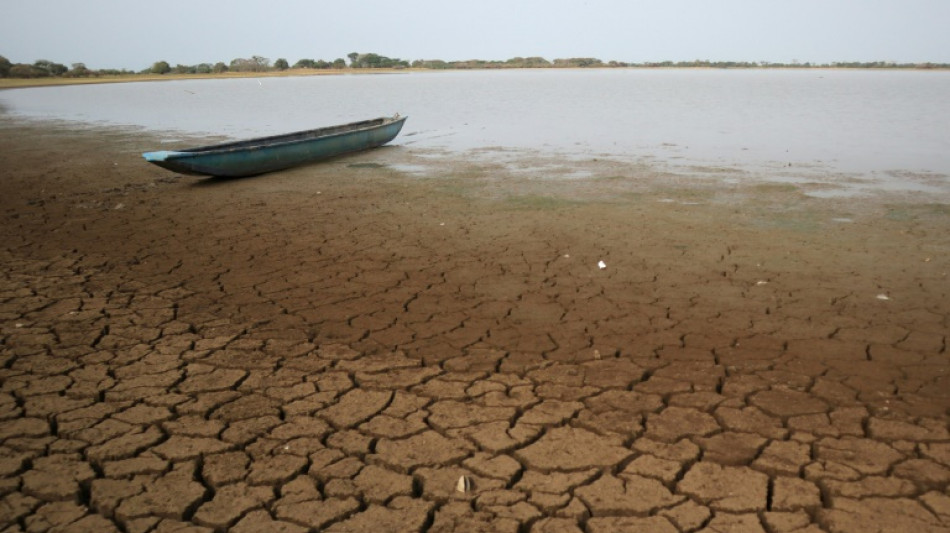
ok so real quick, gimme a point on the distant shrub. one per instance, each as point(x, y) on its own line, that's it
point(21, 70)
point(254, 64)
point(79, 70)
point(160, 67)
point(110, 72)
point(578, 62)
point(310, 63)
point(376, 61)
point(436, 64)
point(528, 62)
point(51, 68)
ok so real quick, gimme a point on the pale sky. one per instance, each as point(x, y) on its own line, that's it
point(133, 34)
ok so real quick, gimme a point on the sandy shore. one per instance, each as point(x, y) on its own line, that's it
point(332, 348)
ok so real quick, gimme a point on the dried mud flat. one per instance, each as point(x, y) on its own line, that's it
point(334, 347)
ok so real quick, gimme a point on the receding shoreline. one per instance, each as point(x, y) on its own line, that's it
point(22, 83)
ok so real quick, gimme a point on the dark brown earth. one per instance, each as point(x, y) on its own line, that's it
point(332, 348)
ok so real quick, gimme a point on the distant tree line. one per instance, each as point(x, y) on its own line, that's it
point(43, 68)
point(591, 62)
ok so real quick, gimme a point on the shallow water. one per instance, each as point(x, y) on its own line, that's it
point(892, 126)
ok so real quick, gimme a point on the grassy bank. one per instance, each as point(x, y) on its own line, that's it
point(17, 83)
point(14, 83)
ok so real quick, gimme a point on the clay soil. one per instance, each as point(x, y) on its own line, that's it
point(333, 348)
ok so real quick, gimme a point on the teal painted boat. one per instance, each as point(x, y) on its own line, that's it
point(278, 152)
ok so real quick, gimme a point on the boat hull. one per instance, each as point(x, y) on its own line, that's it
point(268, 154)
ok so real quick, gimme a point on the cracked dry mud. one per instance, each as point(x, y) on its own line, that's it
point(333, 347)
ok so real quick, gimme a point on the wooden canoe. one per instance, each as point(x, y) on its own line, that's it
point(267, 154)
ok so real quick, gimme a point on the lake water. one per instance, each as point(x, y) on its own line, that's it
point(863, 123)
